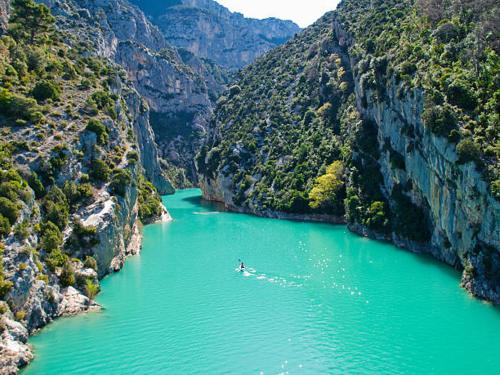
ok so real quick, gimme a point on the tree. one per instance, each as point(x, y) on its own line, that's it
point(56, 207)
point(468, 150)
point(120, 181)
point(9, 210)
point(100, 130)
point(51, 238)
point(99, 171)
point(326, 187)
point(45, 89)
point(67, 277)
point(91, 289)
point(31, 21)
point(4, 226)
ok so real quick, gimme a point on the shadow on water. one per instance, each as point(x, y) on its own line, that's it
point(213, 206)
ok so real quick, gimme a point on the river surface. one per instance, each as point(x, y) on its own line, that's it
point(316, 300)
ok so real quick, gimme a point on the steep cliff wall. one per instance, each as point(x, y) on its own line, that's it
point(464, 218)
point(177, 96)
point(75, 149)
point(209, 30)
point(359, 124)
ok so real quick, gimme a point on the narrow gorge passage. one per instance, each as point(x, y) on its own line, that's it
point(318, 299)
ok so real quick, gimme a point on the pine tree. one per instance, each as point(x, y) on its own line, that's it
point(30, 21)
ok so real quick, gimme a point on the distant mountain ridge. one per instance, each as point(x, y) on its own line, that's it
point(210, 30)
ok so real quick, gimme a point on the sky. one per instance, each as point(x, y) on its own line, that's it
point(302, 12)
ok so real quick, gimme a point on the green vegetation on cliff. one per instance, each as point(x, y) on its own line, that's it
point(280, 125)
point(293, 113)
point(67, 144)
point(447, 48)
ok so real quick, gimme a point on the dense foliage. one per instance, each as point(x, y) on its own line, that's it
point(53, 99)
point(280, 124)
point(150, 206)
point(450, 49)
point(290, 115)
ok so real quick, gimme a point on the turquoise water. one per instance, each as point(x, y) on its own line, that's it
point(318, 300)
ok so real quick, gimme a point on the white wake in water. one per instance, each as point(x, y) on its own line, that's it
point(281, 281)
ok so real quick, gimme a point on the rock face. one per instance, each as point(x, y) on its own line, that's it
point(175, 99)
point(4, 14)
point(376, 128)
point(209, 30)
point(464, 217)
point(178, 85)
point(99, 144)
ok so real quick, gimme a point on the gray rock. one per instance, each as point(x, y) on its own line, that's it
point(4, 14)
point(209, 30)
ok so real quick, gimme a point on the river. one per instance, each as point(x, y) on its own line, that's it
point(316, 299)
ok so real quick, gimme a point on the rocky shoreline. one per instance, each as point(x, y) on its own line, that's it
point(16, 352)
point(466, 282)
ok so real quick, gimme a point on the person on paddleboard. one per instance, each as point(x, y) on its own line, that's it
point(242, 266)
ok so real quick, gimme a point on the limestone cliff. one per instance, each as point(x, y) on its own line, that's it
point(76, 150)
point(180, 86)
point(177, 96)
point(405, 141)
point(464, 218)
point(209, 30)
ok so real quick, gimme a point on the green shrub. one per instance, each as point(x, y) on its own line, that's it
point(5, 285)
point(20, 315)
point(51, 238)
point(36, 60)
point(234, 90)
point(10, 190)
point(9, 210)
point(150, 206)
point(377, 218)
point(58, 159)
point(120, 181)
point(76, 193)
point(459, 94)
point(132, 157)
point(85, 236)
point(45, 89)
point(5, 226)
point(37, 186)
point(22, 230)
point(91, 289)
point(90, 262)
point(67, 277)
point(99, 129)
point(467, 151)
point(56, 259)
point(16, 107)
point(495, 189)
point(56, 207)
point(440, 120)
point(99, 171)
point(105, 102)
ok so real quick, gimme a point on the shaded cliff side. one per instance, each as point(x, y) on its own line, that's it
point(177, 97)
point(377, 115)
point(179, 86)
